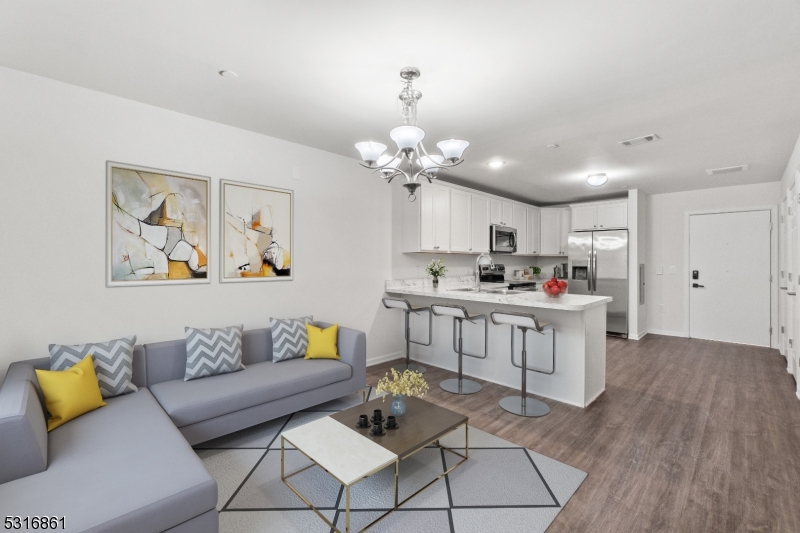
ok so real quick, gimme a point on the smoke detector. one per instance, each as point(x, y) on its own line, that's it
point(641, 140)
point(727, 170)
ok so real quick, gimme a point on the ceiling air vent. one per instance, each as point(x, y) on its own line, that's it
point(727, 170)
point(640, 140)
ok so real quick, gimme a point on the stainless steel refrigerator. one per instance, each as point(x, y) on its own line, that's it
point(598, 264)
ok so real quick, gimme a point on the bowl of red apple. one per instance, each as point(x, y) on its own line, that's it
point(554, 287)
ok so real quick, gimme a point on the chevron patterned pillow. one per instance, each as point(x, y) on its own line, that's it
point(289, 338)
point(113, 363)
point(213, 351)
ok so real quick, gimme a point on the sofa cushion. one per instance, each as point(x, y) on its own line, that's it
point(166, 361)
point(210, 352)
point(124, 468)
point(23, 430)
point(189, 402)
point(113, 363)
point(289, 337)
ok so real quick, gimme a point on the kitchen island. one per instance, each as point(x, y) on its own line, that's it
point(580, 338)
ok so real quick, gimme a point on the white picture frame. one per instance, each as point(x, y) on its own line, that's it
point(256, 235)
point(142, 251)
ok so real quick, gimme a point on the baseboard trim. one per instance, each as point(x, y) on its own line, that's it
point(637, 337)
point(798, 394)
point(383, 358)
point(666, 332)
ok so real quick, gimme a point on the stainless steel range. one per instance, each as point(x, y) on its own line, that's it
point(496, 276)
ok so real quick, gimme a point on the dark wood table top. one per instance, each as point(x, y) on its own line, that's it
point(423, 423)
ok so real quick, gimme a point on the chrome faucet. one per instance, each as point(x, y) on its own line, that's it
point(478, 269)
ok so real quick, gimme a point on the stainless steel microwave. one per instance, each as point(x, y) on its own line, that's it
point(502, 239)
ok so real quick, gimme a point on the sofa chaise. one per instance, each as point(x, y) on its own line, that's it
point(129, 467)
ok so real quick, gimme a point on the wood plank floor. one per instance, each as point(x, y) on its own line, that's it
point(690, 436)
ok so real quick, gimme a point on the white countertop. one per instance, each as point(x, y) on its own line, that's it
point(564, 302)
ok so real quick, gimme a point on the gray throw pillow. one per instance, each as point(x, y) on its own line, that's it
point(113, 363)
point(213, 351)
point(289, 338)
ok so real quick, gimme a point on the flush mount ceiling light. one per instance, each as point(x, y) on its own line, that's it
point(228, 74)
point(596, 180)
point(496, 164)
point(411, 153)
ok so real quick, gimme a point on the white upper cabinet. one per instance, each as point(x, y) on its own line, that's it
point(441, 213)
point(584, 217)
point(551, 231)
point(534, 230)
point(612, 215)
point(460, 221)
point(519, 221)
point(434, 219)
point(480, 224)
point(427, 222)
point(508, 215)
point(563, 229)
point(596, 216)
point(496, 211)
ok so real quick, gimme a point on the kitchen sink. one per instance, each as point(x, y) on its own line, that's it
point(503, 291)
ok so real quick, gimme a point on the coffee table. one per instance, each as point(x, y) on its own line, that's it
point(350, 454)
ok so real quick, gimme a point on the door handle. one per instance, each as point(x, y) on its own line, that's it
point(698, 286)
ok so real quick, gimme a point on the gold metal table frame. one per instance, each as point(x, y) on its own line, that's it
point(397, 504)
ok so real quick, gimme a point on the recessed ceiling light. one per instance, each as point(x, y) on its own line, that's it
point(496, 164)
point(228, 74)
point(596, 180)
point(552, 146)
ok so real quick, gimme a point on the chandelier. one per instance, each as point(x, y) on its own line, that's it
point(411, 161)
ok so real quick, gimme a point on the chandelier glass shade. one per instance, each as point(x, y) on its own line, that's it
point(411, 161)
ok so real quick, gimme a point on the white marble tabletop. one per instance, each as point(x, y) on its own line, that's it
point(343, 452)
point(449, 290)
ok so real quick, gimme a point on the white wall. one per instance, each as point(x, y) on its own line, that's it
point(666, 220)
point(637, 254)
point(55, 140)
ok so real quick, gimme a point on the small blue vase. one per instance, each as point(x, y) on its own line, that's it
point(398, 407)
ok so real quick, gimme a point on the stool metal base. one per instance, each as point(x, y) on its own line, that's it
point(467, 386)
point(533, 407)
point(402, 367)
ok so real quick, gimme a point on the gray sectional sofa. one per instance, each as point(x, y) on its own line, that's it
point(129, 467)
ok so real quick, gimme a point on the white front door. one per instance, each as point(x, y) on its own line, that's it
point(730, 298)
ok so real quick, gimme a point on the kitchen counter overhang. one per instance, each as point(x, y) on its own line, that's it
point(580, 342)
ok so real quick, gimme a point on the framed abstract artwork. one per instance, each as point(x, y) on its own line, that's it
point(256, 230)
point(157, 227)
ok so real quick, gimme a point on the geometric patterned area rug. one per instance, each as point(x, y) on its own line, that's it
point(501, 488)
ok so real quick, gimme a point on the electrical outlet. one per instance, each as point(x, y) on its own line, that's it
point(662, 307)
point(659, 270)
point(672, 270)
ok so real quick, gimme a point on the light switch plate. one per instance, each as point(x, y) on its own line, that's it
point(659, 270)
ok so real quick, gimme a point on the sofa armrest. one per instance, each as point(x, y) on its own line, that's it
point(352, 346)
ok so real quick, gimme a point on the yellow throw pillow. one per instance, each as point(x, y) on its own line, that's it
point(322, 342)
point(70, 393)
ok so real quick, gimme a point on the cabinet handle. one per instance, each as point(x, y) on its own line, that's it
point(601, 225)
point(435, 247)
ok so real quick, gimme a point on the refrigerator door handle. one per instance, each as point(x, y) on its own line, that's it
point(589, 274)
point(594, 272)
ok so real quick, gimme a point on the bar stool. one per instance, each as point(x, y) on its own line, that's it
point(459, 314)
point(522, 405)
point(405, 307)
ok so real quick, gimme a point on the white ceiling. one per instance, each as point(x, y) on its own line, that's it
point(718, 80)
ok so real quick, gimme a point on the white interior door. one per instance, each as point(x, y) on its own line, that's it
point(730, 299)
